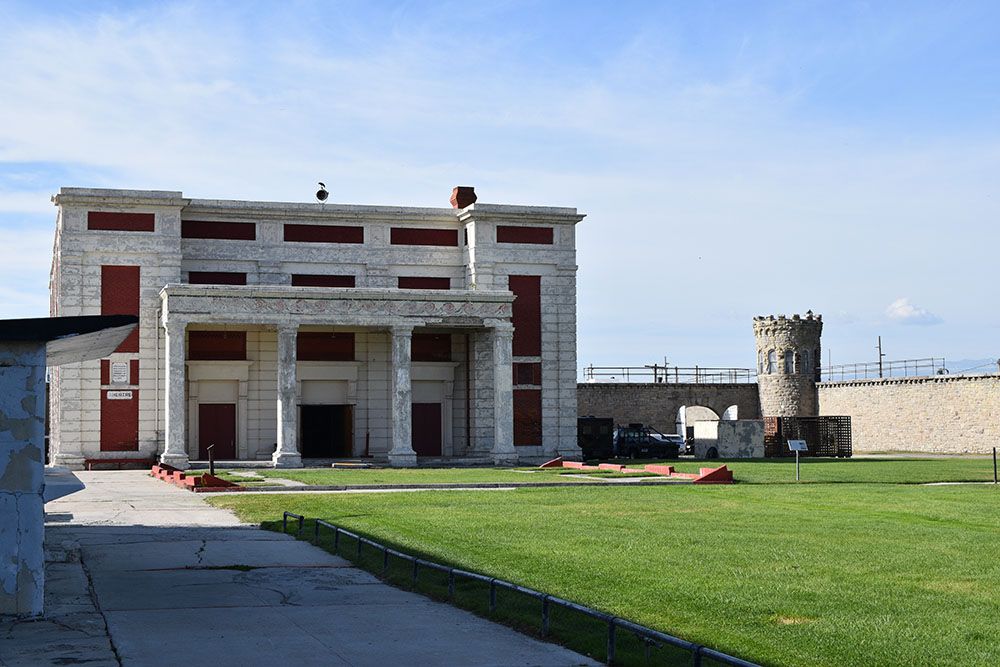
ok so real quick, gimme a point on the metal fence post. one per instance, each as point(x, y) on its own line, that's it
point(336, 540)
point(385, 561)
point(416, 564)
point(493, 595)
point(316, 531)
point(451, 584)
point(611, 642)
point(359, 546)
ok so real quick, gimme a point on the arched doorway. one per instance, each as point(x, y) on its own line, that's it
point(687, 415)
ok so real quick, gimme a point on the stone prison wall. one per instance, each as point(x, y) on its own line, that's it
point(656, 405)
point(939, 414)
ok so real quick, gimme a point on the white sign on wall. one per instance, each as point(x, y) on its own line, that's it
point(119, 395)
point(119, 372)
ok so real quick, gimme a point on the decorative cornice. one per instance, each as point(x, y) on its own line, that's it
point(549, 215)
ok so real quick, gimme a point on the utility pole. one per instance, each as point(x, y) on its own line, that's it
point(880, 355)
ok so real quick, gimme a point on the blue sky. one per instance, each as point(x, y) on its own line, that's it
point(733, 158)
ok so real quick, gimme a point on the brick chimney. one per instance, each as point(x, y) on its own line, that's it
point(462, 196)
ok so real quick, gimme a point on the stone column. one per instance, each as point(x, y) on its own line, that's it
point(287, 454)
point(175, 445)
point(503, 396)
point(401, 452)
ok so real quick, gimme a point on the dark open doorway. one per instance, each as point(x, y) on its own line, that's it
point(327, 431)
point(426, 425)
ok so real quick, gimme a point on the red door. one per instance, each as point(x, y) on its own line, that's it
point(217, 426)
point(426, 425)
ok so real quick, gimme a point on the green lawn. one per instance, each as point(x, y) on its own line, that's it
point(813, 574)
point(768, 471)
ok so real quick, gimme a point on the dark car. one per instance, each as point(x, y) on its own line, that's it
point(636, 441)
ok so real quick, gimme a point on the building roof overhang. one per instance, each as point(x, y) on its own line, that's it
point(71, 339)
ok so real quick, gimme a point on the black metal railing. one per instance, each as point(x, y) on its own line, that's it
point(665, 374)
point(887, 369)
point(648, 636)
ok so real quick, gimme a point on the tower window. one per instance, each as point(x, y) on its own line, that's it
point(772, 360)
point(789, 362)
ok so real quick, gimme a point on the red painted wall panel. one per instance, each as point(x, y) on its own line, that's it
point(527, 416)
point(423, 282)
point(324, 233)
point(419, 236)
point(541, 235)
point(217, 345)
point(530, 374)
point(320, 280)
point(234, 231)
point(120, 296)
point(325, 346)
point(119, 423)
point(216, 278)
point(121, 222)
point(431, 347)
point(527, 315)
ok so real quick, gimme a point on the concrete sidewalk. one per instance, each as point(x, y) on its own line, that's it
point(143, 573)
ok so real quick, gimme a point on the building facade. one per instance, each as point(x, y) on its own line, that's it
point(282, 331)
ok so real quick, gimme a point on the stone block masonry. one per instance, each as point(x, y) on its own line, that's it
point(939, 414)
point(788, 362)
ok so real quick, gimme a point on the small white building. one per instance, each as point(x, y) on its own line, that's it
point(282, 331)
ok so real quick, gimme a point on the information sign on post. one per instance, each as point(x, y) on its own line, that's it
point(797, 446)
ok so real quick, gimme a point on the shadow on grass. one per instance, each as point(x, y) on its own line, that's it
point(570, 628)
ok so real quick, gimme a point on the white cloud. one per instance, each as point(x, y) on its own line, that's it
point(904, 312)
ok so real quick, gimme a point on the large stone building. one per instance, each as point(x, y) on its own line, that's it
point(282, 331)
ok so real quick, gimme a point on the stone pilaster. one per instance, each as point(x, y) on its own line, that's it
point(287, 454)
point(503, 451)
point(401, 399)
point(175, 445)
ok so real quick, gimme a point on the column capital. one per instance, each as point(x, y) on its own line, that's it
point(401, 330)
point(174, 325)
point(502, 328)
point(288, 328)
